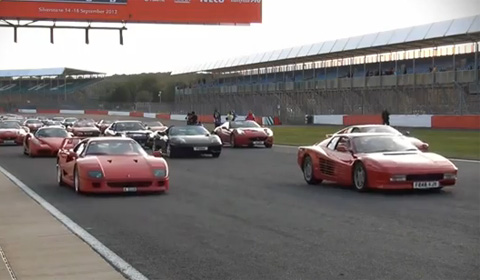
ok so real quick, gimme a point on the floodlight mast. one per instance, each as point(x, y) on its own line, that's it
point(35, 24)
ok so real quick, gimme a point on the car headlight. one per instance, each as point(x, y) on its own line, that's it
point(160, 173)
point(240, 131)
point(398, 178)
point(216, 139)
point(95, 174)
point(269, 132)
point(449, 176)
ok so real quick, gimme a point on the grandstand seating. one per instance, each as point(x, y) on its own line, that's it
point(43, 86)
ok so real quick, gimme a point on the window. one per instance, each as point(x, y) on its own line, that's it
point(79, 148)
point(333, 143)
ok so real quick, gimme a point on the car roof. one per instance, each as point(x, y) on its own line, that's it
point(131, 121)
point(365, 125)
point(365, 134)
point(101, 139)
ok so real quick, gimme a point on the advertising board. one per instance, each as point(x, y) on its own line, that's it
point(135, 11)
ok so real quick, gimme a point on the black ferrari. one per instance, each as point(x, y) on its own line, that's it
point(187, 140)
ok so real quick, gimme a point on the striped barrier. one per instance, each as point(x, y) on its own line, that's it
point(470, 122)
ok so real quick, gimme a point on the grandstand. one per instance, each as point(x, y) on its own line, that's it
point(32, 88)
point(427, 69)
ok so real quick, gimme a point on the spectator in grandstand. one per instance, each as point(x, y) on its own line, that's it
point(250, 116)
point(386, 117)
point(217, 117)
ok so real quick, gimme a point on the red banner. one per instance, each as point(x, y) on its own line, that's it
point(136, 11)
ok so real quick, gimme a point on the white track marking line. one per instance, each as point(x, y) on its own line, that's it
point(7, 264)
point(117, 262)
point(452, 159)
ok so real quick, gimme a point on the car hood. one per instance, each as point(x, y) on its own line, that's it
point(253, 130)
point(398, 161)
point(9, 131)
point(195, 140)
point(53, 142)
point(85, 129)
point(123, 167)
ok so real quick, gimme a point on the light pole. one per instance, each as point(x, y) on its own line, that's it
point(159, 97)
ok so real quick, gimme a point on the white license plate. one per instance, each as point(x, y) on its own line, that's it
point(129, 189)
point(9, 142)
point(258, 143)
point(200, 148)
point(426, 185)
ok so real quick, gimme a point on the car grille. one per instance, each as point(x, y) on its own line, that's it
point(425, 177)
point(9, 138)
point(138, 184)
point(257, 138)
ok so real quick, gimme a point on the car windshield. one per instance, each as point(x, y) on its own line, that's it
point(153, 124)
point(9, 125)
point(54, 123)
point(114, 148)
point(33, 122)
point(243, 124)
point(375, 129)
point(52, 132)
point(106, 122)
point(84, 124)
point(57, 119)
point(382, 143)
point(129, 126)
point(188, 131)
point(69, 120)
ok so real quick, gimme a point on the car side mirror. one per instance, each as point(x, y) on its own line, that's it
point(406, 133)
point(71, 155)
point(157, 154)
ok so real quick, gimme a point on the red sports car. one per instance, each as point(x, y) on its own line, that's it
point(377, 128)
point(374, 161)
point(33, 124)
point(111, 165)
point(46, 141)
point(84, 129)
point(104, 124)
point(155, 126)
point(11, 132)
point(244, 133)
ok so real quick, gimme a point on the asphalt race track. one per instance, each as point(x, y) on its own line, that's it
point(249, 215)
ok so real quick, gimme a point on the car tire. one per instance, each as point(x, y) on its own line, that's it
point(216, 155)
point(233, 142)
point(60, 181)
point(308, 174)
point(268, 146)
point(76, 181)
point(359, 177)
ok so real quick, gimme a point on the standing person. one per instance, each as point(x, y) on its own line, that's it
point(250, 116)
point(188, 117)
point(217, 117)
point(386, 117)
point(194, 118)
point(234, 115)
point(229, 117)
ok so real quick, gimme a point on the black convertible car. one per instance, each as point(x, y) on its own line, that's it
point(187, 140)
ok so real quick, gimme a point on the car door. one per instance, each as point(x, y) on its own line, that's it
point(110, 131)
point(69, 165)
point(162, 139)
point(343, 160)
point(224, 132)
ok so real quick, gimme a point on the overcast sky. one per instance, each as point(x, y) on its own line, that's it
point(157, 48)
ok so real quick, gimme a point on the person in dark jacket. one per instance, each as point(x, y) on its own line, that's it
point(386, 117)
point(193, 118)
point(217, 118)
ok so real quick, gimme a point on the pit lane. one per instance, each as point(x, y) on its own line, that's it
point(249, 215)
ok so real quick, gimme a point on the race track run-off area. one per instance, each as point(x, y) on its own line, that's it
point(250, 215)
